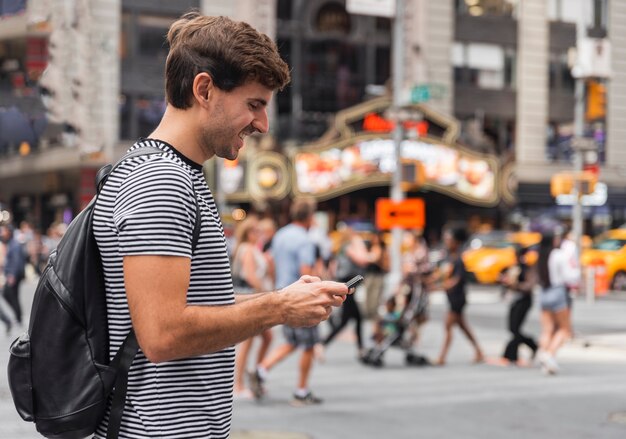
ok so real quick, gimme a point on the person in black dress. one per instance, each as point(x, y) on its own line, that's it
point(453, 278)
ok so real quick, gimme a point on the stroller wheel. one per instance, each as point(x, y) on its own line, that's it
point(372, 358)
point(378, 362)
point(413, 359)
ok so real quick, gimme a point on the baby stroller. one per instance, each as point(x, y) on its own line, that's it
point(398, 336)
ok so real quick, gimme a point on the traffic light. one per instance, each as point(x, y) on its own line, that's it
point(561, 184)
point(588, 182)
point(596, 100)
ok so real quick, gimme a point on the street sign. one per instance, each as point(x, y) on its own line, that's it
point(406, 214)
point(426, 92)
point(584, 144)
point(378, 8)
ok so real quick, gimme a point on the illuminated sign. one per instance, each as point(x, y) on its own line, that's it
point(326, 173)
point(407, 214)
point(357, 152)
point(362, 155)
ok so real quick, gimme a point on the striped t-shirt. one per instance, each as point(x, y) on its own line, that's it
point(148, 207)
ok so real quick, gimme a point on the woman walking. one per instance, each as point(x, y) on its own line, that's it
point(520, 280)
point(251, 274)
point(555, 273)
point(455, 286)
point(352, 258)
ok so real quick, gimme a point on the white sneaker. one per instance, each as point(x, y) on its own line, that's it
point(540, 358)
point(550, 365)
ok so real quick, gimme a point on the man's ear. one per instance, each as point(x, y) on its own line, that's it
point(203, 87)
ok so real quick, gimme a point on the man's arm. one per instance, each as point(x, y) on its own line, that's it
point(167, 328)
point(240, 298)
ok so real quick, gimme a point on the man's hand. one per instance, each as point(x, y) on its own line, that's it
point(309, 301)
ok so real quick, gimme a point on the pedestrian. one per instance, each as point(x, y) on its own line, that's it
point(38, 252)
point(387, 324)
point(294, 254)
point(3, 255)
point(453, 277)
point(351, 260)
point(178, 297)
point(520, 280)
point(555, 272)
point(415, 268)
point(375, 273)
point(14, 271)
point(251, 268)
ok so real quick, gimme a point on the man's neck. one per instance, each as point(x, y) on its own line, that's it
point(300, 224)
point(174, 129)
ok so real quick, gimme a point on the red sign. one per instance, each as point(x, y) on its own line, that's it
point(406, 214)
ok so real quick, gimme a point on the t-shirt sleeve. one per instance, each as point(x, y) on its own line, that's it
point(306, 253)
point(155, 210)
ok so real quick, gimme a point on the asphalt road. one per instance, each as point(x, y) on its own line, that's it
point(462, 400)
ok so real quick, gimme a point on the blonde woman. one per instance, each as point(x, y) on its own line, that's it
point(250, 275)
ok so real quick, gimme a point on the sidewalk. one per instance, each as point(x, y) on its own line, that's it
point(460, 400)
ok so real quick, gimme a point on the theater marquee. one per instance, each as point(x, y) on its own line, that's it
point(358, 152)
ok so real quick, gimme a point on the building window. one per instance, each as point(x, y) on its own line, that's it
point(283, 9)
point(478, 8)
point(560, 75)
point(486, 66)
point(333, 18)
point(152, 32)
point(12, 7)
point(332, 66)
point(594, 13)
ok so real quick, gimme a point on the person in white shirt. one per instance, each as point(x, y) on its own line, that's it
point(555, 273)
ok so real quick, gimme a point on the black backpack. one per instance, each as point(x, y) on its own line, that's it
point(59, 371)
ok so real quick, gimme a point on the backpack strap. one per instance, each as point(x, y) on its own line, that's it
point(128, 350)
point(105, 171)
point(103, 174)
point(121, 362)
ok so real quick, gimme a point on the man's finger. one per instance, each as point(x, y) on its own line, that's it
point(309, 279)
point(337, 288)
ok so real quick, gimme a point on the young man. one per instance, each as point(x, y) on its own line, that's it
point(220, 76)
point(293, 251)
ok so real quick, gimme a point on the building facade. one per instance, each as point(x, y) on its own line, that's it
point(501, 68)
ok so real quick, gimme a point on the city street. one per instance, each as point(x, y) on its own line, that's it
point(586, 400)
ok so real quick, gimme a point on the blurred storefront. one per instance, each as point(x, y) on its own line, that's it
point(57, 128)
point(351, 166)
point(501, 68)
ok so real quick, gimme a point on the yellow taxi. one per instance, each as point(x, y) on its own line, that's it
point(489, 255)
point(609, 249)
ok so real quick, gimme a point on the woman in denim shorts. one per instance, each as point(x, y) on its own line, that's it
point(555, 273)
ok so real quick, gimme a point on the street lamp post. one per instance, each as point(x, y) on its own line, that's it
point(397, 194)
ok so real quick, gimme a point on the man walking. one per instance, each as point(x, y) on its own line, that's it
point(294, 255)
point(14, 271)
point(219, 77)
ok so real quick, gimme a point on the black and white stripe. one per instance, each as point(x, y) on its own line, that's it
point(148, 207)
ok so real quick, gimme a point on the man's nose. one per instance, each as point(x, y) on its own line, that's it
point(261, 123)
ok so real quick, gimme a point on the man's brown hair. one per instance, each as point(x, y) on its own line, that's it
point(232, 52)
point(302, 209)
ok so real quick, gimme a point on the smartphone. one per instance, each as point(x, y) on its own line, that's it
point(352, 283)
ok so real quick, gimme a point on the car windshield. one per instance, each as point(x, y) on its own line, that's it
point(610, 244)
